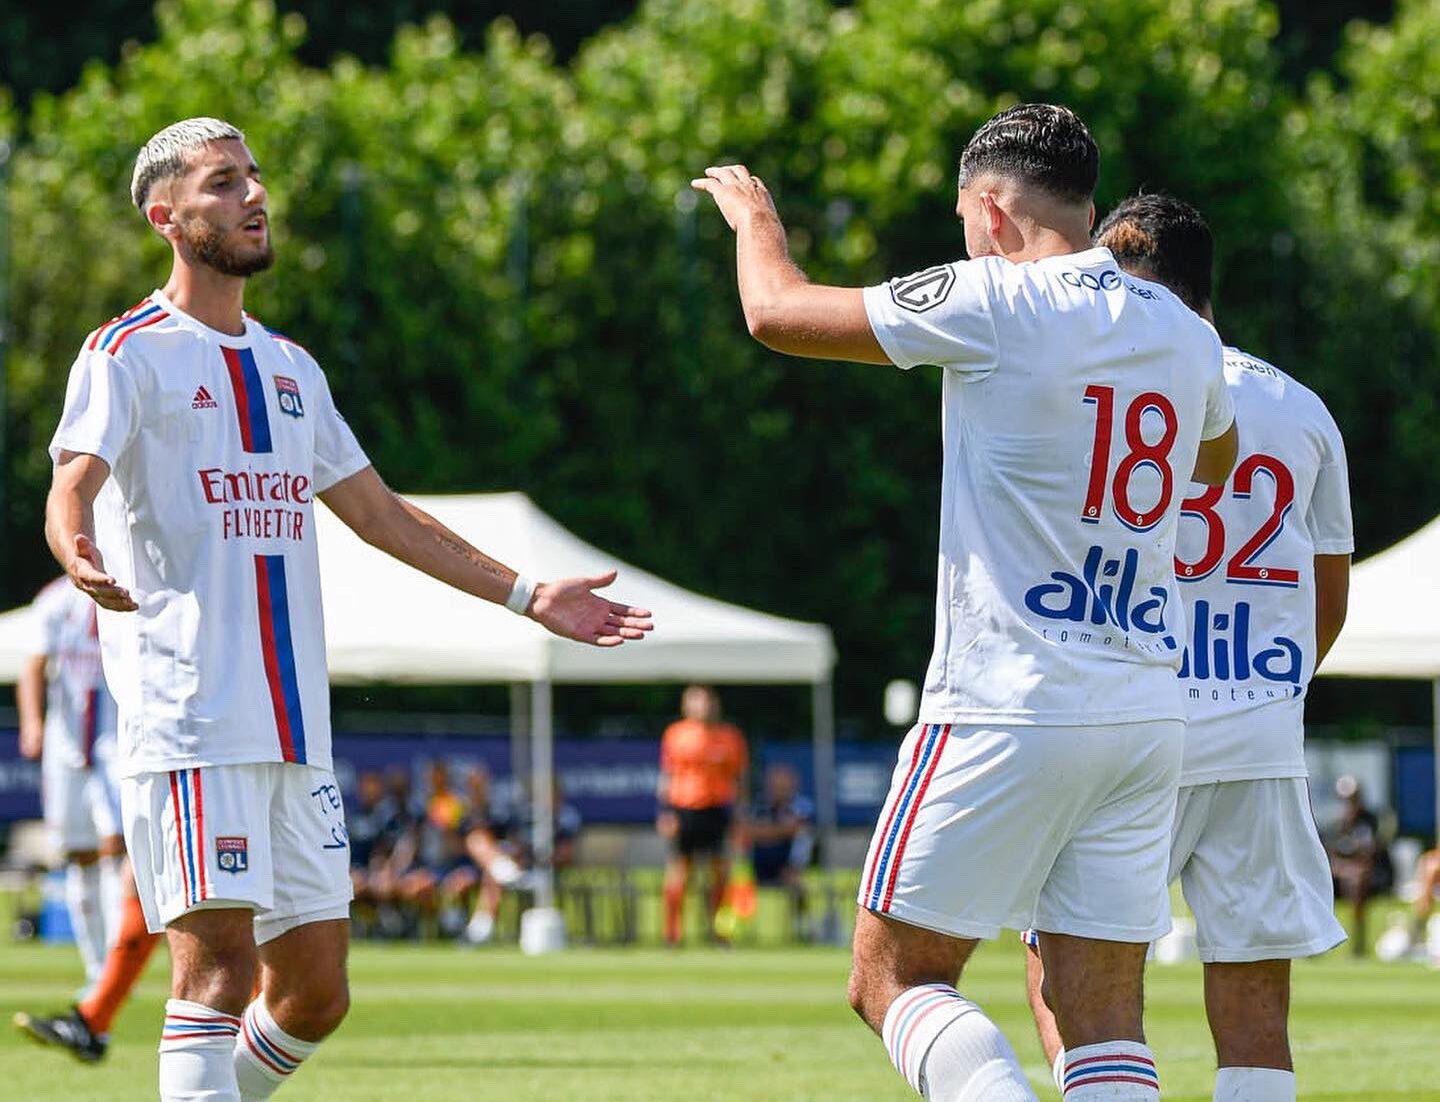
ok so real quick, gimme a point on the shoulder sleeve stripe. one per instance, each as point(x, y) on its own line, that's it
point(135, 328)
point(95, 338)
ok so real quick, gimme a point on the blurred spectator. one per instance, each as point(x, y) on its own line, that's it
point(1359, 858)
point(370, 820)
point(1411, 938)
point(703, 763)
point(782, 838)
point(429, 851)
point(499, 843)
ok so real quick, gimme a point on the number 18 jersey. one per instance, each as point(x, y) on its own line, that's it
point(1075, 399)
point(1246, 564)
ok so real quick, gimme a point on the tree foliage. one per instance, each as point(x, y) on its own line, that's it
point(500, 263)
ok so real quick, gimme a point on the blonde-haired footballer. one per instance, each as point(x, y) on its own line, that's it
point(192, 446)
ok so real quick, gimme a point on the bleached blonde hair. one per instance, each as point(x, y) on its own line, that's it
point(163, 156)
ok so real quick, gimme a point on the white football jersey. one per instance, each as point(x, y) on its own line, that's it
point(217, 446)
point(79, 711)
point(1246, 562)
point(1075, 400)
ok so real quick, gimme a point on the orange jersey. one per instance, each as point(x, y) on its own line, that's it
point(705, 763)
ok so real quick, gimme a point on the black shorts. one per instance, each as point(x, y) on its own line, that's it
point(702, 830)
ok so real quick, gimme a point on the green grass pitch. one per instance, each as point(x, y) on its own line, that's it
point(432, 1023)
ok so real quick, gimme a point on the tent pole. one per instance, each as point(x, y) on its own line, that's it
point(519, 735)
point(826, 802)
point(543, 790)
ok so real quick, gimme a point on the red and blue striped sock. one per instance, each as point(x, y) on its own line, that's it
point(265, 1055)
point(1111, 1071)
point(196, 1049)
point(947, 1049)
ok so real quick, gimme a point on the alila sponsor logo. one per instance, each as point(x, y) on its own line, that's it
point(1104, 594)
point(1220, 650)
point(257, 504)
point(203, 399)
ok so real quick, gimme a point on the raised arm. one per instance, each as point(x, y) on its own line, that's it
point(783, 309)
point(70, 528)
point(568, 608)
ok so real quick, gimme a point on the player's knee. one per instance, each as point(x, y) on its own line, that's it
point(220, 984)
point(314, 1012)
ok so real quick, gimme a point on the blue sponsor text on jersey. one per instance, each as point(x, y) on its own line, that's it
point(1103, 594)
point(1220, 650)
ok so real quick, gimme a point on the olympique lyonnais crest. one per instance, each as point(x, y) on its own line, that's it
point(288, 391)
point(232, 854)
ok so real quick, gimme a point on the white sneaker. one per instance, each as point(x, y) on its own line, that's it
point(1394, 944)
point(480, 928)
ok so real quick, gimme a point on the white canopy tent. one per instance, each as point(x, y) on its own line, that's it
point(385, 622)
point(1393, 625)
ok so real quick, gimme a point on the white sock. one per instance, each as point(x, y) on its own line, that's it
point(1057, 1071)
point(1254, 1085)
point(82, 900)
point(947, 1049)
point(112, 896)
point(197, 1054)
point(1112, 1071)
point(265, 1055)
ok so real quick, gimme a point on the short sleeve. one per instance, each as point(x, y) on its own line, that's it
point(1219, 405)
point(1328, 518)
point(939, 316)
point(101, 410)
point(338, 454)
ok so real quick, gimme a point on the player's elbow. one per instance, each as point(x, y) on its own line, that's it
point(763, 321)
point(1216, 458)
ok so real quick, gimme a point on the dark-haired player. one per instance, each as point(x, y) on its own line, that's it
point(1040, 782)
point(1264, 566)
point(191, 448)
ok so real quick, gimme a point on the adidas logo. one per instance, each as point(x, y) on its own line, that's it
point(202, 400)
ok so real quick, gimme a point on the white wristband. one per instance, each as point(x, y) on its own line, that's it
point(520, 594)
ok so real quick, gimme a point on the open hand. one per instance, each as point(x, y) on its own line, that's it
point(87, 571)
point(572, 610)
point(739, 195)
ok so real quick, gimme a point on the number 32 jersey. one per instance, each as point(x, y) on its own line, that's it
point(217, 446)
point(1246, 563)
point(1075, 399)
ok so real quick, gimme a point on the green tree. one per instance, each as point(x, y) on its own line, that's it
point(1368, 170)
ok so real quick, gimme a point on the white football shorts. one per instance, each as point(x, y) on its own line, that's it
point(1066, 829)
point(269, 836)
point(1250, 862)
point(81, 804)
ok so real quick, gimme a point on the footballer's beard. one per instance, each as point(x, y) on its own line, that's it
point(207, 245)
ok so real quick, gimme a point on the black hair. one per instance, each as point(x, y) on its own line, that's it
point(1164, 239)
point(1041, 144)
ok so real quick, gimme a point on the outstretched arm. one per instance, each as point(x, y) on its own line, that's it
point(783, 309)
point(569, 608)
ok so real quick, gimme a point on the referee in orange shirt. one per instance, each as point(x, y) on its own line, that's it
point(703, 767)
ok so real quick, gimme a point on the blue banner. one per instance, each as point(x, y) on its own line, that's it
point(608, 780)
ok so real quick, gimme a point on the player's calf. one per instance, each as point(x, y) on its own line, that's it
point(304, 997)
point(902, 985)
